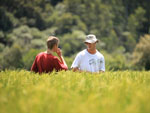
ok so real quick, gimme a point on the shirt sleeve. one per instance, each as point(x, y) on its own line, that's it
point(76, 62)
point(59, 65)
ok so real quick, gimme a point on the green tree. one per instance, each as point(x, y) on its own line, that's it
point(11, 58)
point(7, 20)
point(27, 37)
point(29, 57)
point(111, 42)
point(67, 23)
point(135, 22)
point(141, 54)
point(72, 42)
point(96, 15)
point(128, 41)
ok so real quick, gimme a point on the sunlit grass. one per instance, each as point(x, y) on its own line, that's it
point(69, 92)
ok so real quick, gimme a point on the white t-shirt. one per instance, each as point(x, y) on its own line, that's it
point(89, 62)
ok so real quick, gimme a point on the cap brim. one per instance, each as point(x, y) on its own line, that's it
point(90, 41)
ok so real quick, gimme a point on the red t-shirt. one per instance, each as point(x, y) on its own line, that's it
point(47, 63)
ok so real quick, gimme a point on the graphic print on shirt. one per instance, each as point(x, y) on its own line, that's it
point(95, 64)
point(92, 63)
point(100, 62)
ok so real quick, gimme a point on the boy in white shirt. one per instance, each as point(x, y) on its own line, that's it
point(89, 60)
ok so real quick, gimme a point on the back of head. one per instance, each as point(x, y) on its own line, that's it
point(51, 41)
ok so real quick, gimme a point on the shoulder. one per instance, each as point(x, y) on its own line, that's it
point(40, 54)
point(82, 53)
point(100, 54)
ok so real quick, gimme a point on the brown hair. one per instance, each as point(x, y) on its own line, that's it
point(51, 41)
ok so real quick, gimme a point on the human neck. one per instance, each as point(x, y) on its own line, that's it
point(91, 51)
point(48, 51)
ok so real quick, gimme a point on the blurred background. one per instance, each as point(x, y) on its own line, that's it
point(122, 26)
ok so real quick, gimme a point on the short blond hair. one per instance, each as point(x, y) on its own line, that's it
point(51, 41)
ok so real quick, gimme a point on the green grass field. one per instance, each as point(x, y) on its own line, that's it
point(69, 92)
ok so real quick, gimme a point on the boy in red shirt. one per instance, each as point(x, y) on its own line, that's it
point(46, 61)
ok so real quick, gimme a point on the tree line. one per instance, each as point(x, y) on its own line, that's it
point(122, 26)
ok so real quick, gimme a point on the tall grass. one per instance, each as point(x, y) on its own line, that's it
point(69, 92)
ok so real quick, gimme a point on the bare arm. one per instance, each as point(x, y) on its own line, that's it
point(59, 53)
point(101, 71)
point(75, 69)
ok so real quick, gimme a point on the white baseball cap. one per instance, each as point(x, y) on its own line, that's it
point(91, 39)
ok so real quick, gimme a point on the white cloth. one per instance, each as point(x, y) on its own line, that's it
point(89, 62)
